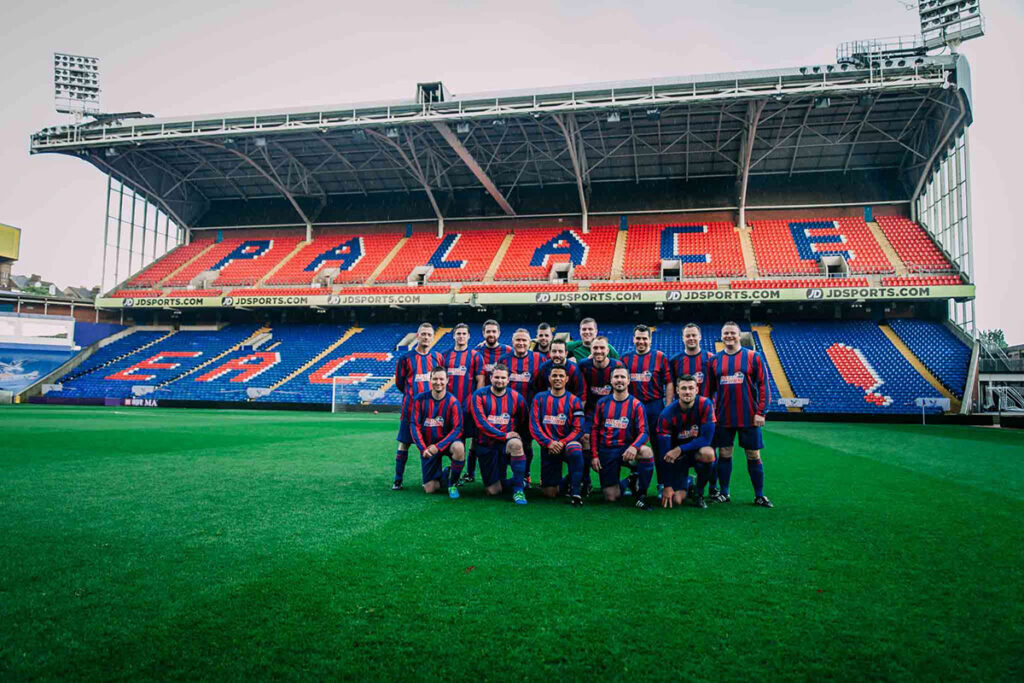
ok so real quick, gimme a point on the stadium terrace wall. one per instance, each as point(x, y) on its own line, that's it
point(860, 187)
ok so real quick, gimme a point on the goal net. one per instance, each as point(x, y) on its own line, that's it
point(345, 394)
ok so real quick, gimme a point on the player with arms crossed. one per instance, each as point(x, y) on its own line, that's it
point(496, 411)
point(574, 384)
point(650, 382)
point(465, 375)
point(740, 400)
point(523, 365)
point(693, 361)
point(436, 429)
point(412, 378)
point(685, 430)
point(597, 380)
point(618, 437)
point(556, 420)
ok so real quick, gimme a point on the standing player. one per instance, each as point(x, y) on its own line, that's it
point(523, 365)
point(542, 343)
point(740, 402)
point(436, 429)
point(618, 437)
point(597, 380)
point(693, 361)
point(412, 377)
point(465, 375)
point(580, 349)
point(650, 382)
point(556, 420)
point(496, 411)
point(575, 383)
point(684, 433)
point(490, 348)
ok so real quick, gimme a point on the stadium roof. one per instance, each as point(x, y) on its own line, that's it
point(891, 115)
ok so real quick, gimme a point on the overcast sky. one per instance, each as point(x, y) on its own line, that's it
point(192, 57)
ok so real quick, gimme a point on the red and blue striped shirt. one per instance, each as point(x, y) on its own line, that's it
point(742, 387)
point(463, 368)
point(618, 424)
point(574, 384)
point(412, 376)
point(648, 374)
point(691, 429)
point(436, 422)
point(556, 418)
point(698, 365)
point(490, 355)
point(598, 381)
point(496, 416)
point(522, 372)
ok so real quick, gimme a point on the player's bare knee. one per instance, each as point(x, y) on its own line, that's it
point(493, 490)
point(458, 451)
point(432, 486)
point(754, 456)
point(611, 494)
point(515, 447)
point(678, 497)
point(646, 453)
point(725, 452)
point(706, 454)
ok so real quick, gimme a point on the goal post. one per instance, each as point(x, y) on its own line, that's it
point(346, 393)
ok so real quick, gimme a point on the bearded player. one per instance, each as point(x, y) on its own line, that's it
point(684, 433)
point(556, 420)
point(523, 365)
point(412, 377)
point(597, 379)
point(436, 429)
point(574, 384)
point(496, 411)
point(542, 341)
point(618, 438)
point(741, 398)
point(650, 382)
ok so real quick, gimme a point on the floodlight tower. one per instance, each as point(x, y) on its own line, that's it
point(947, 23)
point(76, 84)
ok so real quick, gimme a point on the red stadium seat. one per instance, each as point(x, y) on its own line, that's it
point(458, 256)
point(716, 244)
point(355, 253)
point(534, 250)
point(913, 245)
point(167, 264)
point(778, 252)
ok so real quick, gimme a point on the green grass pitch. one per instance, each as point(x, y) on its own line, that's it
point(187, 544)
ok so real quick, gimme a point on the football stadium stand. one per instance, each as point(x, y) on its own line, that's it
point(938, 349)
point(794, 247)
point(799, 282)
point(456, 257)
point(353, 254)
point(651, 286)
point(913, 245)
point(237, 260)
point(534, 250)
point(705, 249)
point(919, 280)
point(174, 259)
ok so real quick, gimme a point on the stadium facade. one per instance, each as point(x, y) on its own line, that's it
point(829, 201)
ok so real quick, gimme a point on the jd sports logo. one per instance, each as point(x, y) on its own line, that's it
point(673, 295)
point(815, 294)
point(333, 300)
point(544, 298)
point(227, 301)
point(128, 303)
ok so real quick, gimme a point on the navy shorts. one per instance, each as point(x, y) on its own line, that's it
point(551, 467)
point(674, 473)
point(611, 466)
point(468, 427)
point(652, 411)
point(493, 462)
point(404, 430)
point(750, 437)
point(588, 424)
point(430, 467)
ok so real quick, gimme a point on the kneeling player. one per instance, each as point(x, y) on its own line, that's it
point(618, 437)
point(685, 430)
point(496, 411)
point(436, 429)
point(556, 418)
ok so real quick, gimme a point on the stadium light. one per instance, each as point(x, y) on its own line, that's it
point(653, 114)
point(76, 84)
point(391, 133)
point(260, 142)
point(950, 22)
point(614, 117)
point(462, 128)
point(822, 102)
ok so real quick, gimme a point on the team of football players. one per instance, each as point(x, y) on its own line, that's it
point(588, 409)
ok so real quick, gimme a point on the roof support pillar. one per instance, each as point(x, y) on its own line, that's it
point(570, 133)
point(754, 108)
point(472, 165)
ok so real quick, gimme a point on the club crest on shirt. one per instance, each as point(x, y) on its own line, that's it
point(489, 366)
point(433, 422)
point(617, 422)
point(601, 391)
point(502, 419)
point(691, 433)
point(558, 420)
point(699, 376)
point(735, 378)
point(519, 377)
point(459, 371)
point(640, 377)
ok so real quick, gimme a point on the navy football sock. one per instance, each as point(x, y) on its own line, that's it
point(756, 470)
point(623, 486)
point(724, 474)
point(713, 474)
point(518, 472)
point(574, 454)
point(456, 468)
point(445, 477)
point(400, 458)
point(645, 471)
point(703, 475)
point(471, 467)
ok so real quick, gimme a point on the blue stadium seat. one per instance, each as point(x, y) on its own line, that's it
point(938, 349)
